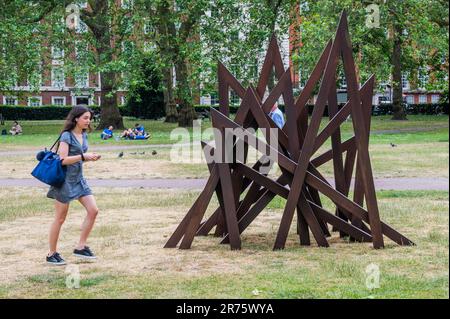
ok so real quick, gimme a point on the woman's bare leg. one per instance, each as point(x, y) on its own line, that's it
point(92, 210)
point(60, 216)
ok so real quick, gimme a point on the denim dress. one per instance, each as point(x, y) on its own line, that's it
point(75, 185)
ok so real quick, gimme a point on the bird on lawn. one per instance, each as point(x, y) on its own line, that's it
point(393, 145)
point(120, 155)
point(154, 153)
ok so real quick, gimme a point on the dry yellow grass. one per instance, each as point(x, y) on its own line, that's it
point(133, 226)
point(407, 160)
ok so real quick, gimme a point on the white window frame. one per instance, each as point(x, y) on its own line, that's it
point(148, 28)
point(74, 102)
point(410, 99)
point(81, 27)
point(37, 98)
point(149, 46)
point(84, 83)
point(214, 99)
point(435, 98)
point(59, 97)
point(16, 100)
point(54, 80)
point(423, 77)
point(126, 4)
point(57, 58)
point(123, 100)
point(405, 81)
point(422, 99)
point(234, 99)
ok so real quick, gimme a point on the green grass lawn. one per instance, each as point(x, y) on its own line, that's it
point(418, 128)
point(422, 150)
point(44, 132)
point(132, 229)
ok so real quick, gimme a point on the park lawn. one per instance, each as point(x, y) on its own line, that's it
point(132, 229)
point(44, 133)
point(406, 160)
point(415, 148)
point(419, 128)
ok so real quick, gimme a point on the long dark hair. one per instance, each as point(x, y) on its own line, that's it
point(75, 114)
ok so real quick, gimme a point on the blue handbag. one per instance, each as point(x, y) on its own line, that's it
point(50, 169)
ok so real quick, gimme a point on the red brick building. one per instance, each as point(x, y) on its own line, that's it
point(56, 87)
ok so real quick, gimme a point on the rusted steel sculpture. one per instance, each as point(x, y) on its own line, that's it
point(243, 192)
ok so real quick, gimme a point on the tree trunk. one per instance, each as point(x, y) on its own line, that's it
point(397, 96)
point(169, 100)
point(98, 22)
point(110, 115)
point(187, 113)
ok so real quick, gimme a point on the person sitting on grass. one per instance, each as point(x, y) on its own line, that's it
point(128, 134)
point(107, 133)
point(16, 129)
point(140, 133)
point(139, 130)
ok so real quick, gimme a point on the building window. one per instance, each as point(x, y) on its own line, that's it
point(35, 101)
point(342, 82)
point(148, 28)
point(410, 99)
point(149, 46)
point(58, 80)
point(382, 100)
point(214, 99)
point(10, 100)
point(81, 27)
point(423, 78)
point(235, 100)
point(127, 25)
point(82, 80)
point(81, 50)
point(435, 98)
point(58, 100)
point(127, 47)
point(422, 99)
point(127, 4)
point(82, 100)
point(405, 82)
point(57, 53)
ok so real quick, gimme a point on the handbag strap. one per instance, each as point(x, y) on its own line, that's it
point(57, 142)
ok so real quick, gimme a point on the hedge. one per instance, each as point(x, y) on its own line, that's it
point(40, 113)
point(48, 112)
point(382, 109)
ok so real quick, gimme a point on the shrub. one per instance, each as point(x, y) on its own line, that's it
point(41, 113)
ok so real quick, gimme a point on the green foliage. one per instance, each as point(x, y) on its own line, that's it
point(146, 98)
point(424, 38)
point(43, 113)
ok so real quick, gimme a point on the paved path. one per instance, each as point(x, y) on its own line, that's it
point(417, 183)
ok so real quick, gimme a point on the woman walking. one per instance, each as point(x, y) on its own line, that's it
point(72, 150)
